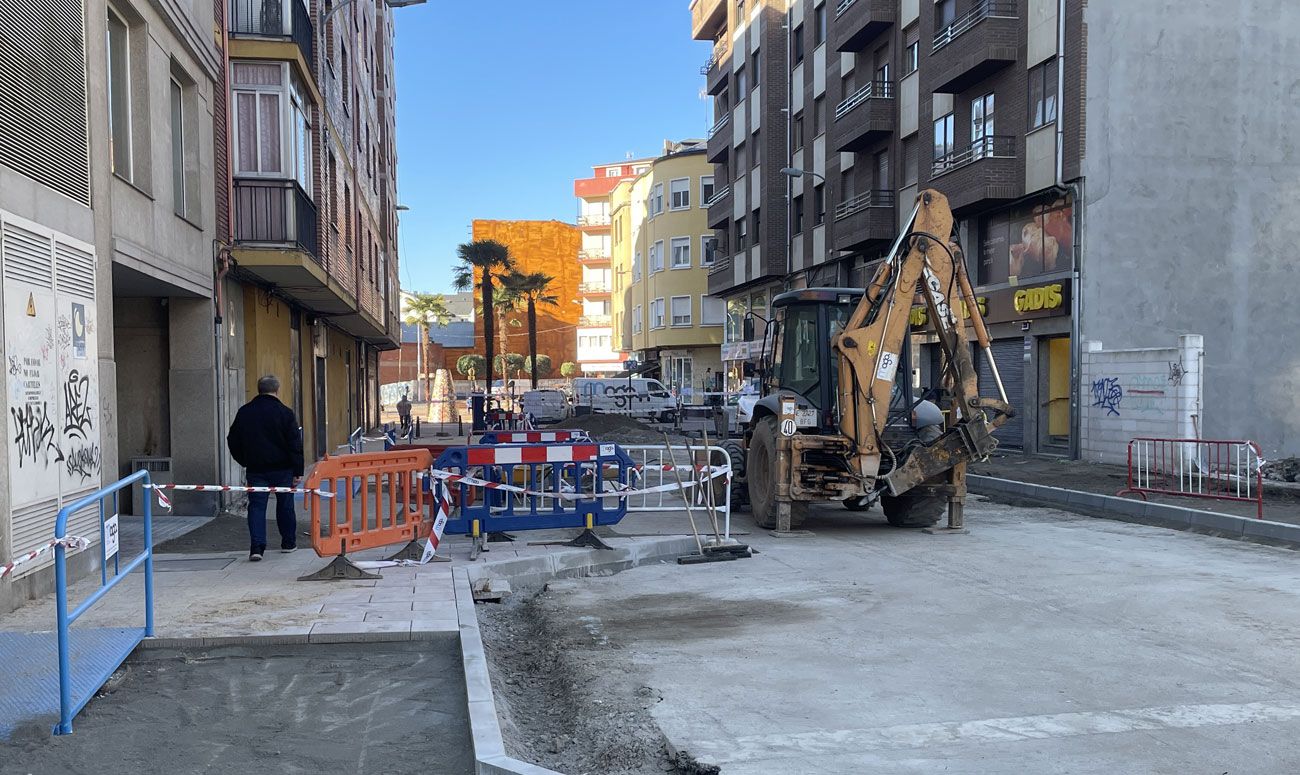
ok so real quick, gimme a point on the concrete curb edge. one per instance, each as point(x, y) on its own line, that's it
point(485, 730)
point(1139, 511)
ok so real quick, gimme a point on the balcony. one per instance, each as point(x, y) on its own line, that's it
point(858, 22)
point(282, 19)
point(594, 288)
point(986, 172)
point(865, 220)
point(594, 221)
point(719, 145)
point(717, 69)
point(977, 44)
point(276, 240)
point(865, 117)
point(594, 321)
point(594, 255)
point(720, 207)
point(708, 18)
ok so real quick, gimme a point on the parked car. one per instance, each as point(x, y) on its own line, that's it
point(545, 405)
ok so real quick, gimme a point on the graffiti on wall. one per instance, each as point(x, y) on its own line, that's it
point(1176, 373)
point(1145, 393)
point(1107, 394)
point(34, 436)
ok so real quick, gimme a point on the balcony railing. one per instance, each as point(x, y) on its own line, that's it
point(593, 254)
point(982, 10)
point(720, 48)
point(726, 119)
point(992, 147)
point(276, 212)
point(268, 18)
point(594, 287)
point(843, 6)
point(593, 220)
point(591, 321)
point(874, 90)
point(718, 195)
point(877, 198)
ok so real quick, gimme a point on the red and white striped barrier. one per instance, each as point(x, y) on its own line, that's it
point(566, 453)
point(73, 543)
point(539, 437)
point(619, 490)
point(166, 503)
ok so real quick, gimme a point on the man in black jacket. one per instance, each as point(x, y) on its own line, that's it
point(265, 439)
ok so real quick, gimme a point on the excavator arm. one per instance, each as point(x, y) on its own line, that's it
point(924, 258)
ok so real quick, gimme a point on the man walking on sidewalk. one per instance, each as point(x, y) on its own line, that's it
point(266, 441)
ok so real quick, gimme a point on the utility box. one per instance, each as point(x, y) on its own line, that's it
point(160, 472)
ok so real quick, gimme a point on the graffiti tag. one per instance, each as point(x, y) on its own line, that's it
point(83, 462)
point(1176, 372)
point(1107, 394)
point(76, 399)
point(34, 434)
point(623, 395)
point(15, 368)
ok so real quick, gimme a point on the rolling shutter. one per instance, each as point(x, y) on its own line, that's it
point(1010, 356)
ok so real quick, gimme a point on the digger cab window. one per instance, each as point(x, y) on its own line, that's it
point(797, 367)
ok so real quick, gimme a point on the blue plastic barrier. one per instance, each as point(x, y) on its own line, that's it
point(579, 468)
point(105, 665)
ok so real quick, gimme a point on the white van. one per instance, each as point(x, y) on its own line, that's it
point(635, 397)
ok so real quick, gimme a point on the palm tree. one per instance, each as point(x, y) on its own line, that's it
point(422, 311)
point(534, 289)
point(483, 257)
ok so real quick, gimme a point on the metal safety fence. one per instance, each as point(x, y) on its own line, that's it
point(655, 467)
point(1197, 468)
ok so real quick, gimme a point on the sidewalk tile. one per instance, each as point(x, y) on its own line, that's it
point(382, 606)
point(355, 632)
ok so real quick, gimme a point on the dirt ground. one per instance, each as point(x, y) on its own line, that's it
point(1281, 501)
point(229, 533)
point(298, 710)
point(560, 712)
point(620, 430)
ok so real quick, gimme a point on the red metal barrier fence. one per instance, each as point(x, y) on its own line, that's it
point(1197, 468)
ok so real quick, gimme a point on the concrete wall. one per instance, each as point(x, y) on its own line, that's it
point(1192, 186)
point(1153, 392)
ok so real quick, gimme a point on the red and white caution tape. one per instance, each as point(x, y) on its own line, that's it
point(72, 543)
point(620, 490)
point(166, 503)
point(430, 542)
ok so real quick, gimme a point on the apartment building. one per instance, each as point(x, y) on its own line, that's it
point(597, 345)
point(309, 282)
point(106, 233)
point(986, 101)
point(663, 251)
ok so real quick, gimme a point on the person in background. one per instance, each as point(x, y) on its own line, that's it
point(404, 414)
point(265, 439)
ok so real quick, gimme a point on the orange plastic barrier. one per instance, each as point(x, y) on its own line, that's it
point(379, 501)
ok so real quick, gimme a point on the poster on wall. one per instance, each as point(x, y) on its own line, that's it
point(1027, 242)
point(34, 425)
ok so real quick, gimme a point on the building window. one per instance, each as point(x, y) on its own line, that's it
point(819, 205)
point(681, 310)
point(819, 116)
point(258, 121)
point(943, 142)
point(756, 69)
point(910, 162)
point(640, 169)
point(636, 267)
point(797, 129)
point(636, 319)
point(657, 257)
point(613, 172)
point(847, 189)
point(677, 370)
point(681, 247)
point(981, 126)
point(679, 193)
point(712, 311)
point(657, 313)
point(742, 234)
point(656, 200)
point(945, 12)
point(1042, 94)
point(797, 41)
point(881, 182)
point(740, 160)
point(911, 50)
point(178, 147)
point(742, 84)
point(708, 250)
point(756, 224)
point(706, 190)
point(119, 94)
point(796, 224)
point(819, 25)
point(756, 146)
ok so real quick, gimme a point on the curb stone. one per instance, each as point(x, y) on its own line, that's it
point(1141, 512)
point(485, 729)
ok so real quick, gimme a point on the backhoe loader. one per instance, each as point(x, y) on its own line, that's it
point(838, 416)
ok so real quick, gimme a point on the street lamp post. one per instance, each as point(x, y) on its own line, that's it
point(792, 173)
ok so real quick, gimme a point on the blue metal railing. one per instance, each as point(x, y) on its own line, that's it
point(67, 708)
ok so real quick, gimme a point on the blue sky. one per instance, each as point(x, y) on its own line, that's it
point(500, 105)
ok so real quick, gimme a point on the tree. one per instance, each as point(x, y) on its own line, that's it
point(569, 369)
point(470, 365)
point(544, 365)
point(509, 363)
point(483, 257)
point(533, 288)
point(422, 311)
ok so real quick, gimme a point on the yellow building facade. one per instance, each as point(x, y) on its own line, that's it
point(661, 251)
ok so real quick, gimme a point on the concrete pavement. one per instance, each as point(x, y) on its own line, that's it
point(1040, 642)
